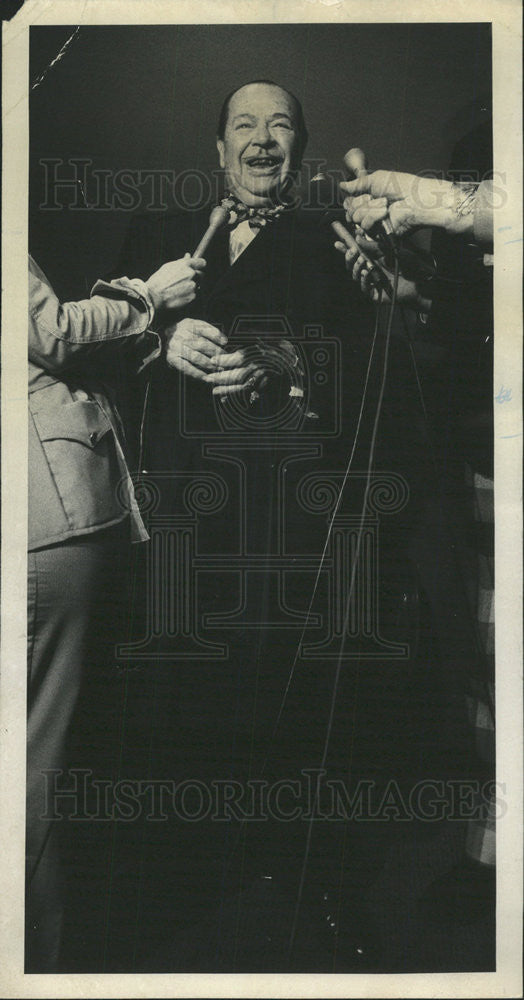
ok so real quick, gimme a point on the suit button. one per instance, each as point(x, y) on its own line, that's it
point(93, 437)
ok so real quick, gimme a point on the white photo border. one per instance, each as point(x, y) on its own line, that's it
point(506, 25)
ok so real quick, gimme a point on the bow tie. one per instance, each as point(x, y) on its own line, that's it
point(257, 217)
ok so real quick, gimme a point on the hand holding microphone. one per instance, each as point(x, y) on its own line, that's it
point(371, 275)
point(369, 197)
point(364, 256)
point(405, 202)
point(174, 284)
point(364, 269)
point(369, 214)
point(372, 248)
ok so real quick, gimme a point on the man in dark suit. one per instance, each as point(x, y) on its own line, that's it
point(265, 409)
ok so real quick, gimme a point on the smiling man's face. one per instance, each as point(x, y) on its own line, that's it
point(259, 151)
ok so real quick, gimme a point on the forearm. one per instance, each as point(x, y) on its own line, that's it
point(62, 335)
point(483, 214)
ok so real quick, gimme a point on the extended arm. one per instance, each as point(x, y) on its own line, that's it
point(125, 308)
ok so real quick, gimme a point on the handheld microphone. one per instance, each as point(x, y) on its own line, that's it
point(356, 163)
point(218, 218)
point(322, 193)
point(415, 263)
point(379, 279)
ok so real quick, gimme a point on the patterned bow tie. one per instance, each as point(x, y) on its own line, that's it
point(257, 217)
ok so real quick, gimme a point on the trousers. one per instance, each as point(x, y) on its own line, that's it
point(73, 589)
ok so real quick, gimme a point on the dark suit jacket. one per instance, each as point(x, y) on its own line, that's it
point(290, 280)
point(291, 283)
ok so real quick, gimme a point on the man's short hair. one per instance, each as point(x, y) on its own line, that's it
point(224, 111)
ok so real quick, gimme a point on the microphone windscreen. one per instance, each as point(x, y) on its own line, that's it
point(355, 161)
point(219, 216)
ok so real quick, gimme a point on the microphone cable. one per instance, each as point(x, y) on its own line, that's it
point(389, 325)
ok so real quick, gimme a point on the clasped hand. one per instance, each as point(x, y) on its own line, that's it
point(197, 349)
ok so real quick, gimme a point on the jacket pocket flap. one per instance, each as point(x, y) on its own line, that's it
point(82, 421)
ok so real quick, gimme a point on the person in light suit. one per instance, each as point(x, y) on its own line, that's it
point(82, 516)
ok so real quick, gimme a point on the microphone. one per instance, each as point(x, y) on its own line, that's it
point(379, 279)
point(322, 193)
point(356, 163)
point(218, 218)
point(415, 263)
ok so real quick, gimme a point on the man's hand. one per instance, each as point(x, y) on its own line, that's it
point(193, 347)
point(197, 349)
point(237, 372)
point(255, 367)
point(361, 257)
point(174, 284)
point(409, 202)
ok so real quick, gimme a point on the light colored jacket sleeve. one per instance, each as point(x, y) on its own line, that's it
point(60, 332)
point(483, 214)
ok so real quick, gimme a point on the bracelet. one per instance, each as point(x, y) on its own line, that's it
point(464, 198)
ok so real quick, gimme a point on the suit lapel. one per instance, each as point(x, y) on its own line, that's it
point(276, 237)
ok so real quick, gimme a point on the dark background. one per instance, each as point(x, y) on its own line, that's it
point(149, 97)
